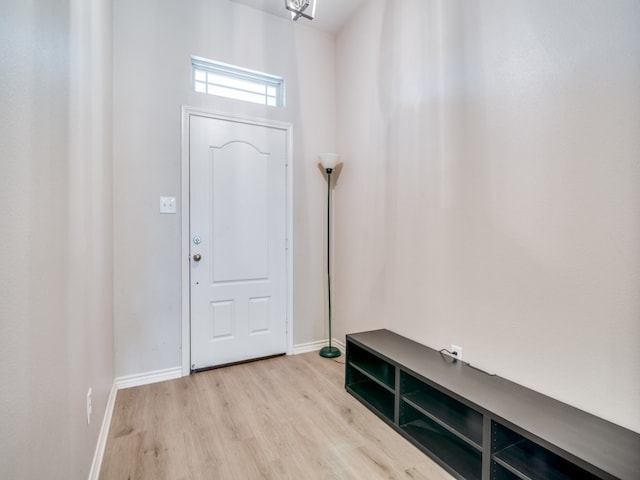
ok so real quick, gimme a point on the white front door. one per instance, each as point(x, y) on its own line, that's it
point(238, 235)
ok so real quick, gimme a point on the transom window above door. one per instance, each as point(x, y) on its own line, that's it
point(215, 78)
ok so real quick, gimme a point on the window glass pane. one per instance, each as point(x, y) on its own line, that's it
point(237, 94)
point(236, 83)
point(201, 87)
point(271, 91)
point(200, 76)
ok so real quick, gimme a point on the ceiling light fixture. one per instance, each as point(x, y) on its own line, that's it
point(301, 8)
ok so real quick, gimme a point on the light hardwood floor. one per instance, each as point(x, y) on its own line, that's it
point(281, 418)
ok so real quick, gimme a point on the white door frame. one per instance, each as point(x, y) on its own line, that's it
point(186, 208)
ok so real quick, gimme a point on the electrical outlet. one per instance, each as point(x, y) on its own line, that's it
point(457, 351)
point(89, 406)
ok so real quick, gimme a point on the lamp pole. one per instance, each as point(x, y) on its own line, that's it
point(329, 351)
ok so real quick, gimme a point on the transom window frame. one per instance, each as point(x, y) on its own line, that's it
point(222, 79)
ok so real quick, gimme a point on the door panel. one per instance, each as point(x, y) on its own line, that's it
point(239, 193)
point(238, 226)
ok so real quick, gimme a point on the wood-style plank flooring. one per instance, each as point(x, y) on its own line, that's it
point(281, 418)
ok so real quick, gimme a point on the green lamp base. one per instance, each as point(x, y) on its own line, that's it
point(329, 352)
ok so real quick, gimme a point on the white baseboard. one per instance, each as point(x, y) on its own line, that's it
point(98, 455)
point(341, 346)
point(148, 377)
point(308, 347)
point(315, 346)
point(118, 384)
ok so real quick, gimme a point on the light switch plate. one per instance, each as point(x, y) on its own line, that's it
point(167, 204)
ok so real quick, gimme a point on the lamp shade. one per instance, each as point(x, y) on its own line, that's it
point(329, 160)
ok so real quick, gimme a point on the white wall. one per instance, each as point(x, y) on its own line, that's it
point(153, 43)
point(56, 327)
point(491, 194)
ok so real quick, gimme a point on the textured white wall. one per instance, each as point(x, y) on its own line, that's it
point(153, 44)
point(491, 197)
point(56, 317)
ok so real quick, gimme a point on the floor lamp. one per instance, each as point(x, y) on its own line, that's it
point(328, 165)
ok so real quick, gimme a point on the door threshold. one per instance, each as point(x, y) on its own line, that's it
point(250, 360)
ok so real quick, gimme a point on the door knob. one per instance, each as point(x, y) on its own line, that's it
point(197, 257)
